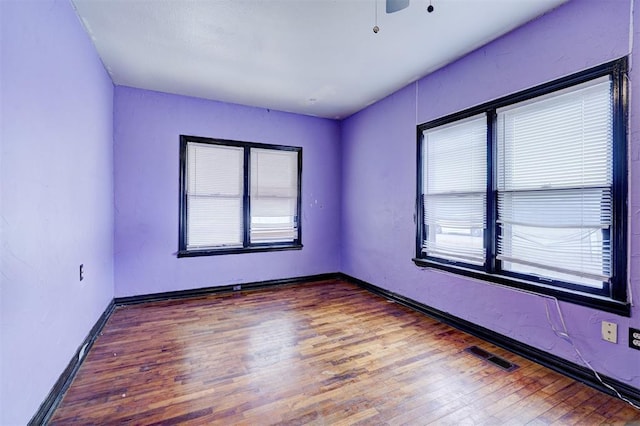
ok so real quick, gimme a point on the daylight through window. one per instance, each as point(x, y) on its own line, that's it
point(530, 190)
point(238, 196)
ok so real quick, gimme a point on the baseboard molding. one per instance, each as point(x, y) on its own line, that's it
point(572, 370)
point(53, 399)
point(184, 294)
point(49, 405)
point(560, 365)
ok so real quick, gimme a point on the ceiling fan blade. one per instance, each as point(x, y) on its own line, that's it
point(396, 5)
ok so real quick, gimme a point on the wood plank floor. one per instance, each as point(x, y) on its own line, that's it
point(322, 353)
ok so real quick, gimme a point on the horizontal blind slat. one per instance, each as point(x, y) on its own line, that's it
point(274, 192)
point(554, 184)
point(214, 196)
point(454, 190)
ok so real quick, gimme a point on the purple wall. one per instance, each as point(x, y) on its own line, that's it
point(64, 134)
point(379, 157)
point(56, 203)
point(146, 148)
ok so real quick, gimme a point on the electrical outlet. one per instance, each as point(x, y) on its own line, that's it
point(81, 271)
point(634, 338)
point(610, 331)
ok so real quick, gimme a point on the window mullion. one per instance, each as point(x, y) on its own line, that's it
point(619, 185)
point(490, 235)
point(182, 240)
point(298, 218)
point(246, 199)
point(419, 215)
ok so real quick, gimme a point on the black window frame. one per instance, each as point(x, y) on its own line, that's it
point(613, 298)
point(247, 245)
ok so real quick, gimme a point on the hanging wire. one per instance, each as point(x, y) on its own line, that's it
point(564, 335)
point(629, 106)
point(375, 18)
point(417, 97)
point(631, 35)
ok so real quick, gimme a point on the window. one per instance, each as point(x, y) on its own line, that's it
point(554, 185)
point(238, 197)
point(530, 190)
point(455, 190)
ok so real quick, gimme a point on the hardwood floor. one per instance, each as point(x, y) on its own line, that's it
point(322, 353)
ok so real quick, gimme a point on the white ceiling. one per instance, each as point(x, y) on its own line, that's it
point(315, 57)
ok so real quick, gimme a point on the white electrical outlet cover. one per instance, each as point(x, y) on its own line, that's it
point(610, 331)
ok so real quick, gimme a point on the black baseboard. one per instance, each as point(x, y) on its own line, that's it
point(184, 294)
point(49, 405)
point(554, 362)
point(560, 365)
point(53, 399)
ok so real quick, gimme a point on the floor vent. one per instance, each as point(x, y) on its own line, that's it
point(495, 360)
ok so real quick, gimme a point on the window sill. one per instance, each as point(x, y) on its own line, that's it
point(585, 299)
point(238, 250)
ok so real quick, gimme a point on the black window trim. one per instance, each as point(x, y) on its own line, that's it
point(248, 247)
point(612, 299)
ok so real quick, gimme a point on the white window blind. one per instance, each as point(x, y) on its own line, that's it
point(274, 195)
point(554, 185)
point(454, 190)
point(214, 195)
